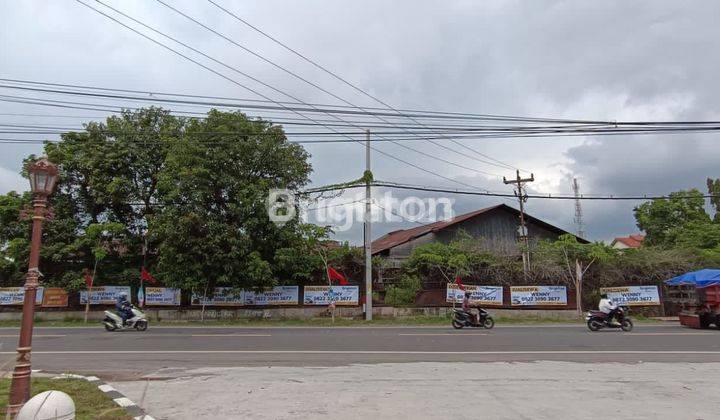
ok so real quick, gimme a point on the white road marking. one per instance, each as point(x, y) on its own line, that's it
point(230, 335)
point(34, 335)
point(671, 333)
point(442, 334)
point(518, 352)
point(357, 327)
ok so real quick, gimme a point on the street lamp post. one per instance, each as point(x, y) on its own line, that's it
point(43, 176)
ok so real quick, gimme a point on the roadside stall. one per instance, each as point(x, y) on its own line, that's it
point(698, 294)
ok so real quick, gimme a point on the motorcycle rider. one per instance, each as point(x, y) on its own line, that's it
point(609, 308)
point(124, 308)
point(474, 312)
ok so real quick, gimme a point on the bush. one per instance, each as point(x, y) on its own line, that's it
point(403, 293)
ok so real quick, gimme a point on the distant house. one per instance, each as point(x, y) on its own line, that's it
point(497, 226)
point(627, 242)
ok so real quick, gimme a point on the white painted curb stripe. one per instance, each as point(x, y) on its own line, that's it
point(105, 388)
point(123, 402)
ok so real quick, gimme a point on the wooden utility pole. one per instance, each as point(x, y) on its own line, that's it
point(522, 198)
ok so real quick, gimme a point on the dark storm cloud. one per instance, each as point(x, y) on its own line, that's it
point(617, 60)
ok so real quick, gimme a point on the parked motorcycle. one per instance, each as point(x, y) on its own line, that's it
point(464, 319)
point(597, 320)
point(113, 321)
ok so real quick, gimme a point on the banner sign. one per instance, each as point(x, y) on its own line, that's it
point(104, 295)
point(223, 296)
point(633, 295)
point(278, 295)
point(323, 295)
point(538, 295)
point(162, 296)
point(16, 295)
point(55, 297)
point(481, 295)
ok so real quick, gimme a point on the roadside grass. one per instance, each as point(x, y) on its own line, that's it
point(413, 320)
point(90, 402)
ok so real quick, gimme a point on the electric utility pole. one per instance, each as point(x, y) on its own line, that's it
point(578, 209)
point(366, 223)
point(522, 198)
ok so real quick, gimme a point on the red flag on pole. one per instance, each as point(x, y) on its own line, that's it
point(334, 275)
point(145, 276)
point(459, 283)
point(88, 280)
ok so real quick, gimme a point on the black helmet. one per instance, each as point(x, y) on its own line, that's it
point(603, 296)
point(468, 294)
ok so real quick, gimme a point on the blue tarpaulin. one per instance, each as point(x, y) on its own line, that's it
point(700, 278)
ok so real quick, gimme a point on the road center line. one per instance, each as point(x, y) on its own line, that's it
point(680, 333)
point(34, 336)
point(442, 334)
point(376, 352)
point(230, 335)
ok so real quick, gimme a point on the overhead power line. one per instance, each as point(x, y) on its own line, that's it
point(538, 196)
point(246, 87)
point(341, 99)
point(346, 82)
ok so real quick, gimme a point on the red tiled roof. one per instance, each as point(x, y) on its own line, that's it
point(399, 237)
point(632, 241)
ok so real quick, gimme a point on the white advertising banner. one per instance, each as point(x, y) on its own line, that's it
point(164, 296)
point(538, 295)
point(278, 295)
point(633, 295)
point(104, 295)
point(223, 296)
point(323, 295)
point(481, 295)
point(16, 295)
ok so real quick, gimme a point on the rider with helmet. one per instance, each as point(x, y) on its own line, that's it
point(124, 308)
point(474, 312)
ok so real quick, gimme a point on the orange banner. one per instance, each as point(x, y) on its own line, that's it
point(55, 297)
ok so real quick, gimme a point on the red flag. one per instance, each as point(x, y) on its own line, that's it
point(459, 283)
point(145, 276)
point(334, 275)
point(88, 280)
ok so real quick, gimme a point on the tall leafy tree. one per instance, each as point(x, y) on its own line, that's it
point(214, 229)
point(661, 219)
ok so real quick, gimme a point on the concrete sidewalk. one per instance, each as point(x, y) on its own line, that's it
point(539, 390)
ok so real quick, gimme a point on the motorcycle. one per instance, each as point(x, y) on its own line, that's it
point(463, 319)
point(597, 320)
point(113, 321)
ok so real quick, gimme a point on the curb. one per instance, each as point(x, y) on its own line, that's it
point(128, 405)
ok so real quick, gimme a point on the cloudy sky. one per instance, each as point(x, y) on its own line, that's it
point(611, 60)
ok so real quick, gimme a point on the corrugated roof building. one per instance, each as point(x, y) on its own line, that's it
point(497, 226)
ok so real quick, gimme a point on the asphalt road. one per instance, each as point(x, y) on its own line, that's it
point(132, 354)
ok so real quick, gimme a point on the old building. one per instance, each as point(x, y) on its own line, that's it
point(496, 226)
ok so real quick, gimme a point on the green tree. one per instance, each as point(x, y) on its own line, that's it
point(661, 218)
point(214, 229)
